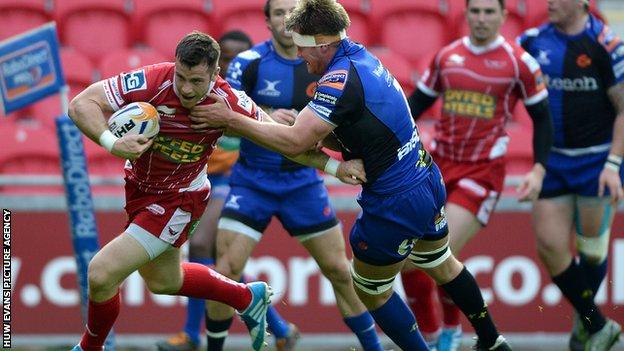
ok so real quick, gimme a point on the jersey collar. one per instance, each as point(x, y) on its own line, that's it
point(478, 50)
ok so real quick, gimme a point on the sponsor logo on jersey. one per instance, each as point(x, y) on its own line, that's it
point(495, 64)
point(233, 202)
point(156, 209)
point(166, 111)
point(326, 98)
point(455, 60)
point(409, 146)
point(133, 81)
point(334, 79)
point(269, 89)
point(469, 103)
point(542, 57)
point(568, 84)
point(244, 101)
point(583, 61)
point(177, 150)
point(321, 110)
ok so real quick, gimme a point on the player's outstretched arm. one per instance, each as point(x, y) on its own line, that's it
point(287, 140)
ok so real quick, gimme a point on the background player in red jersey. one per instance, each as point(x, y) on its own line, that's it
point(480, 77)
point(166, 188)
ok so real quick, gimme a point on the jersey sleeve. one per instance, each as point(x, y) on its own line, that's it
point(237, 100)
point(131, 86)
point(615, 49)
point(240, 73)
point(329, 101)
point(531, 84)
point(429, 83)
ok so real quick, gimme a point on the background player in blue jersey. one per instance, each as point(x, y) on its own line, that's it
point(583, 63)
point(361, 109)
point(266, 184)
point(202, 243)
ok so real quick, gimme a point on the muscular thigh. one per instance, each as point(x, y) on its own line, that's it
point(328, 249)
point(164, 268)
point(553, 221)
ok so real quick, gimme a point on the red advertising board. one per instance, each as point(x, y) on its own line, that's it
point(521, 296)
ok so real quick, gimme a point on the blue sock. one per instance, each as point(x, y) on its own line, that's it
point(195, 308)
point(363, 326)
point(398, 322)
point(594, 274)
point(277, 325)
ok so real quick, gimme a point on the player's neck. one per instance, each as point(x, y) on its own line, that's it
point(574, 25)
point(484, 42)
point(289, 53)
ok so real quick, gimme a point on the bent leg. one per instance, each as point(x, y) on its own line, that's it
point(107, 270)
point(458, 283)
point(329, 252)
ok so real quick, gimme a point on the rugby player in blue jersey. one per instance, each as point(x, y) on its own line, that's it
point(359, 108)
point(583, 63)
point(265, 184)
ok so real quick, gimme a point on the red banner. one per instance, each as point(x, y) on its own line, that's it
point(519, 293)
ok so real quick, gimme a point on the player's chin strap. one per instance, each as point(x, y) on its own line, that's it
point(313, 41)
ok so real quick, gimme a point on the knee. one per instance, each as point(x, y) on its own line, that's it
point(373, 301)
point(338, 273)
point(231, 268)
point(100, 277)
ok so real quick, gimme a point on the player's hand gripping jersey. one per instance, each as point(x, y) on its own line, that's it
point(480, 87)
point(177, 159)
point(579, 70)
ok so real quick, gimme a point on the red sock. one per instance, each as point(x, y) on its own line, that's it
point(421, 297)
point(101, 317)
point(203, 283)
point(450, 310)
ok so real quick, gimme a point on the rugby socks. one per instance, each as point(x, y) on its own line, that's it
point(100, 319)
point(594, 274)
point(420, 291)
point(195, 307)
point(275, 323)
point(216, 332)
point(450, 312)
point(398, 322)
point(202, 282)
point(575, 288)
point(363, 326)
point(466, 294)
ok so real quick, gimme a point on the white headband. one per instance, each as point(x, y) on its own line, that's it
point(310, 41)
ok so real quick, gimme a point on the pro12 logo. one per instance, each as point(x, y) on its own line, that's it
point(133, 81)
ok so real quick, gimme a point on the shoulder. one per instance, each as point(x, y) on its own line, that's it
point(610, 41)
point(532, 34)
point(237, 99)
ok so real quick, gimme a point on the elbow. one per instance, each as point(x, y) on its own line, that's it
point(294, 149)
point(74, 106)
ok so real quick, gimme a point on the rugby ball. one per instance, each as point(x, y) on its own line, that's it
point(135, 118)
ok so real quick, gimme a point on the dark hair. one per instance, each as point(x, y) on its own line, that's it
point(311, 17)
point(197, 48)
point(500, 2)
point(267, 9)
point(236, 35)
